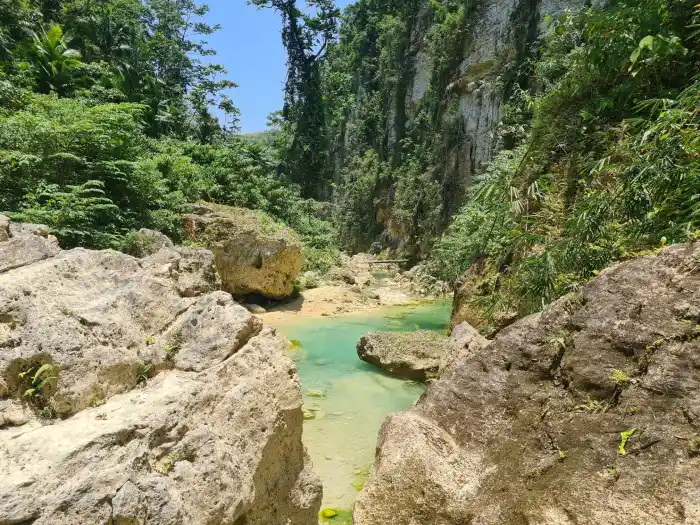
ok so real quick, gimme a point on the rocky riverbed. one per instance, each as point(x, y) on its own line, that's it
point(358, 284)
point(136, 391)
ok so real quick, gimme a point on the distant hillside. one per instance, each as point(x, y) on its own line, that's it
point(260, 138)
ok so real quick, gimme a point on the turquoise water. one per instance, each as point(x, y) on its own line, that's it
point(356, 397)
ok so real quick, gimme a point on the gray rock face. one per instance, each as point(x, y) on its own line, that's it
point(495, 39)
point(584, 414)
point(411, 355)
point(97, 316)
point(465, 342)
point(420, 355)
point(175, 405)
point(22, 244)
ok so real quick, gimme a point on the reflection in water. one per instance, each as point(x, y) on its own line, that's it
point(342, 424)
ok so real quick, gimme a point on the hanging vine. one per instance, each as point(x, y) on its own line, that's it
point(306, 37)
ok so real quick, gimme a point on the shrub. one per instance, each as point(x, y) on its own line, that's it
point(87, 170)
point(138, 244)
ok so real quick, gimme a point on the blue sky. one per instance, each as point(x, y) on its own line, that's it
point(249, 46)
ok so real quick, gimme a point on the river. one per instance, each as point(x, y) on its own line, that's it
point(345, 399)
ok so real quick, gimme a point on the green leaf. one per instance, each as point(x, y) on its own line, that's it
point(647, 42)
point(44, 368)
point(624, 439)
point(41, 385)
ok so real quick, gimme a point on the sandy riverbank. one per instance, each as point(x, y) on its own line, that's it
point(332, 300)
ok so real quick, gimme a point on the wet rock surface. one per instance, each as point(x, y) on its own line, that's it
point(583, 414)
point(133, 392)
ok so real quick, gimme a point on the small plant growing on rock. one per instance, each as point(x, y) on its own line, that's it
point(41, 378)
point(624, 439)
point(612, 473)
point(619, 378)
point(145, 373)
point(694, 447)
point(166, 464)
point(593, 406)
point(172, 348)
point(47, 412)
point(558, 342)
point(170, 351)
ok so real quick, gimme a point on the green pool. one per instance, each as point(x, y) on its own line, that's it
point(357, 397)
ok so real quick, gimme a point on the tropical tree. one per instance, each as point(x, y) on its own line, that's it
point(306, 38)
point(57, 63)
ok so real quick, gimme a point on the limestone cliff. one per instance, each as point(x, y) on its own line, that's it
point(440, 80)
point(133, 392)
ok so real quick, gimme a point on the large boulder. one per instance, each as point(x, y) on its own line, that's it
point(254, 254)
point(159, 400)
point(21, 244)
point(98, 317)
point(587, 413)
point(411, 355)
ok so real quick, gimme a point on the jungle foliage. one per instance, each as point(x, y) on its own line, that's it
point(597, 155)
point(106, 125)
point(605, 165)
point(306, 35)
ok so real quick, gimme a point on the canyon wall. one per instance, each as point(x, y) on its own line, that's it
point(440, 82)
point(583, 414)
